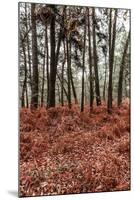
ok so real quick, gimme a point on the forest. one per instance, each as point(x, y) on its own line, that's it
point(74, 99)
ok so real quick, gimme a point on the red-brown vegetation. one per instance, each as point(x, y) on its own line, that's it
point(64, 151)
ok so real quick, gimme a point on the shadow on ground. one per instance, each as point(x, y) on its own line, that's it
point(13, 193)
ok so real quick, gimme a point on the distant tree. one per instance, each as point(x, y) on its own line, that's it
point(121, 72)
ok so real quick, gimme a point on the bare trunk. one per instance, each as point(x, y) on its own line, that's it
point(62, 78)
point(83, 68)
point(24, 88)
point(90, 62)
point(34, 99)
point(97, 86)
point(120, 83)
point(43, 81)
point(47, 63)
point(68, 73)
point(111, 57)
point(105, 81)
point(72, 82)
point(28, 46)
point(52, 78)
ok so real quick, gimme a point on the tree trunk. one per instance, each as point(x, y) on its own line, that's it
point(120, 83)
point(34, 98)
point(111, 57)
point(47, 63)
point(62, 77)
point(90, 62)
point(59, 95)
point(28, 46)
point(83, 68)
point(97, 86)
point(72, 82)
point(63, 86)
point(105, 81)
point(43, 81)
point(68, 73)
point(24, 88)
point(53, 66)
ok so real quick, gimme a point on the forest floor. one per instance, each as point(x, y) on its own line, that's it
point(64, 151)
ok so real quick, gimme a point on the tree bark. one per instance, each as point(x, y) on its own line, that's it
point(63, 86)
point(111, 56)
point(121, 73)
point(24, 88)
point(34, 98)
point(71, 76)
point(52, 78)
point(105, 81)
point(62, 77)
point(28, 46)
point(43, 80)
point(90, 62)
point(83, 68)
point(68, 74)
point(97, 86)
point(47, 63)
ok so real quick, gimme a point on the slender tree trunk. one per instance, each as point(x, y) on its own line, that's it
point(90, 62)
point(68, 73)
point(60, 37)
point(43, 80)
point(47, 63)
point(53, 66)
point(120, 82)
point(34, 99)
point(97, 86)
point(71, 76)
point(59, 95)
point(24, 88)
point(73, 88)
point(111, 57)
point(62, 77)
point(105, 81)
point(27, 101)
point(28, 46)
point(63, 86)
point(83, 68)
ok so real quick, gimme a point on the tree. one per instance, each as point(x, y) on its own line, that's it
point(68, 72)
point(83, 66)
point(52, 77)
point(43, 78)
point(72, 82)
point(112, 37)
point(53, 53)
point(95, 61)
point(121, 72)
point(27, 24)
point(34, 98)
point(24, 88)
point(62, 77)
point(90, 61)
point(47, 63)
